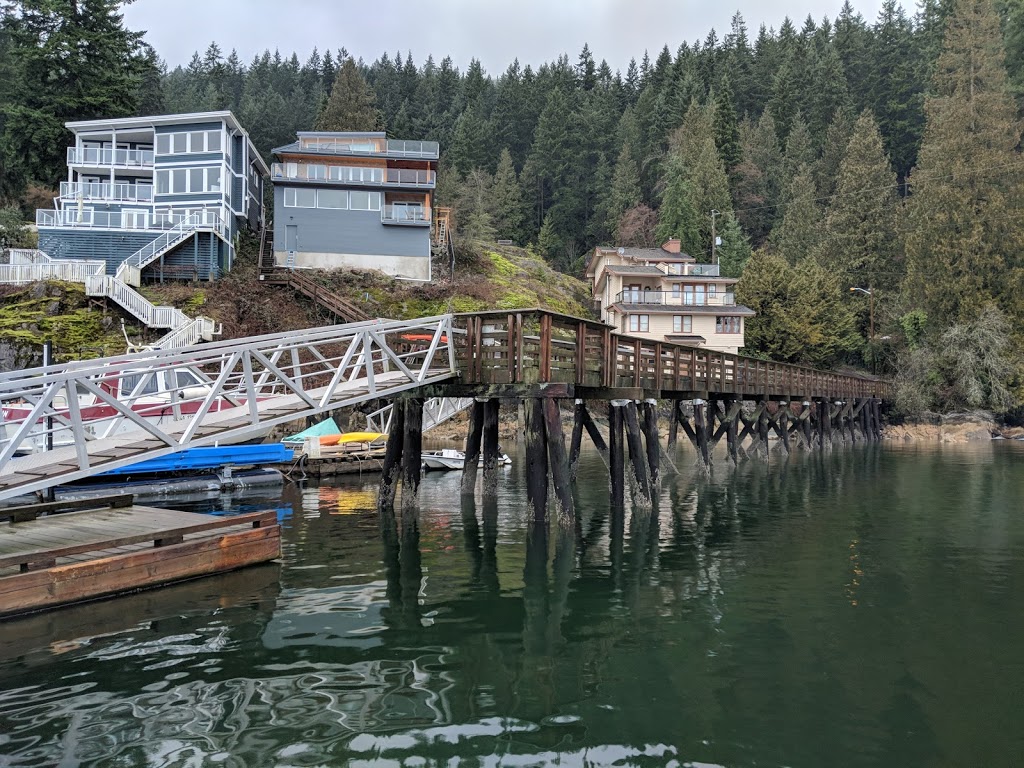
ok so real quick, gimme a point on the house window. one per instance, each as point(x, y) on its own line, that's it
point(300, 198)
point(213, 179)
point(179, 180)
point(639, 323)
point(677, 291)
point(682, 324)
point(213, 141)
point(195, 180)
point(728, 324)
point(364, 201)
point(163, 144)
point(332, 198)
point(163, 182)
point(179, 143)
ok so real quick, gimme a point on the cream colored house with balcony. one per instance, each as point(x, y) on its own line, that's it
point(661, 293)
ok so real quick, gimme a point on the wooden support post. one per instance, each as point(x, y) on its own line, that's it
point(392, 460)
point(653, 442)
point(732, 416)
point(878, 418)
point(763, 425)
point(577, 438)
point(412, 457)
point(805, 421)
point(490, 441)
point(865, 425)
point(476, 430)
point(558, 459)
point(700, 429)
point(637, 458)
point(536, 458)
point(673, 424)
point(595, 434)
point(616, 452)
point(783, 422)
point(820, 418)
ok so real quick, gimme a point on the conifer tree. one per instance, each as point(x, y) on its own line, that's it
point(624, 192)
point(760, 176)
point(710, 188)
point(860, 239)
point(677, 216)
point(472, 209)
point(734, 252)
point(964, 241)
point(799, 150)
point(351, 105)
point(727, 132)
point(506, 200)
point(799, 232)
point(837, 138)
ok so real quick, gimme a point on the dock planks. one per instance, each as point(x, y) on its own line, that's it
point(81, 555)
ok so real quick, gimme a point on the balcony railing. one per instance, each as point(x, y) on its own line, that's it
point(705, 270)
point(355, 146)
point(145, 220)
point(108, 157)
point(671, 298)
point(344, 174)
point(405, 214)
point(104, 190)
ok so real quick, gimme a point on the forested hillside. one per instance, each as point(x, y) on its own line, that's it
point(881, 154)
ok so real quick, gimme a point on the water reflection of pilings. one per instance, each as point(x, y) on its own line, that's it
point(482, 542)
point(403, 566)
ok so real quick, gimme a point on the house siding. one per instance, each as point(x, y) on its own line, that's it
point(111, 247)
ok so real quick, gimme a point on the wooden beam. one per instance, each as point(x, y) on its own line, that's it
point(490, 444)
point(652, 442)
point(700, 428)
point(392, 459)
point(558, 460)
point(577, 438)
point(637, 457)
point(616, 452)
point(412, 453)
point(473, 441)
point(673, 423)
point(536, 458)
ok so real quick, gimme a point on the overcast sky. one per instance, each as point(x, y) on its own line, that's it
point(494, 31)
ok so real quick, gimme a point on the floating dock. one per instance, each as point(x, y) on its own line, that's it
point(60, 553)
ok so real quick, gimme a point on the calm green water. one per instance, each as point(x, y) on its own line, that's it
point(856, 609)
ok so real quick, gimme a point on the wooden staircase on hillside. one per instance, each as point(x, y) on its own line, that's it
point(343, 309)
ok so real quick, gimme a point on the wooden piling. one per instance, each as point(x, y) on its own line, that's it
point(673, 424)
point(412, 444)
point(490, 445)
point(783, 421)
point(558, 459)
point(878, 418)
point(577, 438)
point(732, 415)
point(473, 440)
point(652, 442)
point(616, 453)
point(637, 457)
point(763, 426)
point(805, 423)
point(392, 460)
point(536, 457)
point(700, 430)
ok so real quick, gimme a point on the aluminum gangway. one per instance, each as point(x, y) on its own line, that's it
point(77, 420)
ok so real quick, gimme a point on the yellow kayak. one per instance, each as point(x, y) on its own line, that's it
point(360, 437)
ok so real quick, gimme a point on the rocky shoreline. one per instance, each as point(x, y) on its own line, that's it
point(971, 427)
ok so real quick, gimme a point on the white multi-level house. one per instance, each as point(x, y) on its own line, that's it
point(662, 293)
point(164, 194)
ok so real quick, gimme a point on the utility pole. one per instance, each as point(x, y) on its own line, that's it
point(714, 237)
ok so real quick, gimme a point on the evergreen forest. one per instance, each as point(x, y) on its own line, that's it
point(881, 154)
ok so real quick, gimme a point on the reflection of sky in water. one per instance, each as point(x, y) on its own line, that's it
point(716, 630)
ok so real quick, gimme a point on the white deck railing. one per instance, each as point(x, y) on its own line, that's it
point(104, 190)
point(118, 158)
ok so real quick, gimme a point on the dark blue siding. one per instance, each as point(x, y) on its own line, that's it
point(110, 246)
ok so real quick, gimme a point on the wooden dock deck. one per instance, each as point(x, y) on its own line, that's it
point(109, 547)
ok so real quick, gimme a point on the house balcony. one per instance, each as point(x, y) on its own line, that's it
point(425, 150)
point(703, 270)
point(351, 175)
point(71, 191)
point(87, 218)
point(671, 298)
point(110, 158)
point(405, 215)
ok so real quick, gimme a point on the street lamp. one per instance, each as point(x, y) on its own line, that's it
point(870, 293)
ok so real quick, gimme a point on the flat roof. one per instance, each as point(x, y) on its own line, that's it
point(151, 121)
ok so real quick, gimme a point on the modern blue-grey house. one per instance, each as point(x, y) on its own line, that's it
point(166, 195)
point(356, 200)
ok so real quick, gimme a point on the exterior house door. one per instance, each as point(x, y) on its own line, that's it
point(134, 218)
point(291, 243)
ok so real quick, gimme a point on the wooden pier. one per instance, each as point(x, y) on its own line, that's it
point(59, 553)
point(540, 358)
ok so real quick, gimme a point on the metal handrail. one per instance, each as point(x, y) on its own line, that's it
point(104, 190)
point(106, 156)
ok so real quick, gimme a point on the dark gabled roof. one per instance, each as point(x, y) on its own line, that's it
point(684, 309)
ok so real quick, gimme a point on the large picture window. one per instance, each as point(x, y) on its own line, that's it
point(178, 181)
point(639, 323)
point(192, 142)
point(299, 198)
point(332, 198)
point(364, 201)
point(728, 324)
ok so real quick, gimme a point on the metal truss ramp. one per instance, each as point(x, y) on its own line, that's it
point(103, 414)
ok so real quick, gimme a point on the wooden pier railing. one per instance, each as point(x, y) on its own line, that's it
point(538, 347)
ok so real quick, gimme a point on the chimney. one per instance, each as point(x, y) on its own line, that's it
point(671, 246)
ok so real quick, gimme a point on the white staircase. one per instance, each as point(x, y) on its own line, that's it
point(130, 270)
point(29, 266)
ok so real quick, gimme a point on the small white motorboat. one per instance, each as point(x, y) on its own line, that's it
point(449, 458)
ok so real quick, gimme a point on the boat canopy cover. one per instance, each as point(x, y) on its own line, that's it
point(326, 427)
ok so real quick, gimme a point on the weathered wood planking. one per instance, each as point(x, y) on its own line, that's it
point(110, 551)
